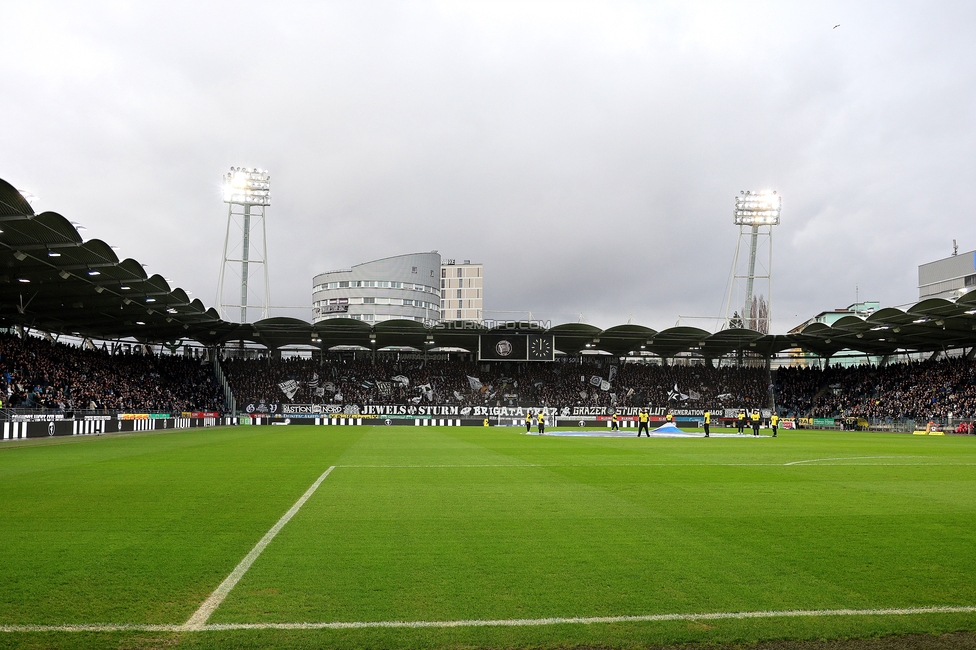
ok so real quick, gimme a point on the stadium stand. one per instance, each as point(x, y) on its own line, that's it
point(527, 384)
point(41, 375)
point(927, 390)
point(38, 374)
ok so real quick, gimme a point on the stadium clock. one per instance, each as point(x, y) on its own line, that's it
point(541, 348)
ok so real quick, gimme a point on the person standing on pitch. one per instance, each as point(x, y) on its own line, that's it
point(528, 422)
point(615, 422)
point(774, 423)
point(755, 417)
point(707, 421)
point(740, 421)
point(643, 418)
point(542, 423)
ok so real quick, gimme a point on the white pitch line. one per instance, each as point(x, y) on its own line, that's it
point(200, 617)
point(822, 460)
point(794, 463)
point(509, 622)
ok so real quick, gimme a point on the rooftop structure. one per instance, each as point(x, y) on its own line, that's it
point(947, 278)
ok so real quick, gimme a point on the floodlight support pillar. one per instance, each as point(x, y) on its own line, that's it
point(245, 251)
point(247, 194)
point(747, 314)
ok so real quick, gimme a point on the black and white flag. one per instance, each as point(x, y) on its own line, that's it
point(289, 388)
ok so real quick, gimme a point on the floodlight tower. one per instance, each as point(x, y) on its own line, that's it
point(755, 213)
point(247, 192)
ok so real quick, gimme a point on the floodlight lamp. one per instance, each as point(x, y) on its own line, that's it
point(24, 280)
point(53, 254)
point(757, 208)
point(245, 186)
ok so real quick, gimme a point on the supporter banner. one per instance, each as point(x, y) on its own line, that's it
point(159, 416)
point(292, 410)
point(520, 411)
point(364, 416)
point(787, 424)
point(38, 417)
point(134, 416)
point(199, 414)
point(824, 422)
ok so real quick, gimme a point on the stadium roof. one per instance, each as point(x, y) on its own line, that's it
point(52, 280)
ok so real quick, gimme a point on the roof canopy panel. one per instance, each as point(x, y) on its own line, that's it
point(53, 280)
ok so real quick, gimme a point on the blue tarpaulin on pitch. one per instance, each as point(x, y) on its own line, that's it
point(668, 428)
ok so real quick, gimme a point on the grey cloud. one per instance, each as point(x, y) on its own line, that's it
point(587, 154)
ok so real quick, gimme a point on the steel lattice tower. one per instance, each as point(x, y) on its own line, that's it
point(247, 193)
point(755, 213)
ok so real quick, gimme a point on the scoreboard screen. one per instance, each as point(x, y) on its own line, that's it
point(516, 347)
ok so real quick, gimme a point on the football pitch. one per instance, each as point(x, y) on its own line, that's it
point(402, 537)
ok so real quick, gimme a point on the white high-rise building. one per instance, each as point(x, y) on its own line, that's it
point(461, 290)
point(947, 278)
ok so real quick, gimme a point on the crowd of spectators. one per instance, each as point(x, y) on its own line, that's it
point(595, 383)
point(915, 390)
point(39, 374)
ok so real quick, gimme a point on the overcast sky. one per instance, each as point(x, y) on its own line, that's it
point(587, 153)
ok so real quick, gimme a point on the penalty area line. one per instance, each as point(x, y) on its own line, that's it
point(512, 622)
point(200, 617)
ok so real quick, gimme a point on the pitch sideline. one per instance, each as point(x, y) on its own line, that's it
point(515, 622)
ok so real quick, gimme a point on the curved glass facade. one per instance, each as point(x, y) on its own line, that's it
point(401, 287)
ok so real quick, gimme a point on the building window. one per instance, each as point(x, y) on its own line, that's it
point(413, 269)
point(368, 317)
point(459, 311)
point(458, 293)
point(369, 301)
point(343, 285)
point(970, 280)
point(443, 273)
point(460, 272)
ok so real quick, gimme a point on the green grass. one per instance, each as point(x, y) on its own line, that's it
point(473, 523)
